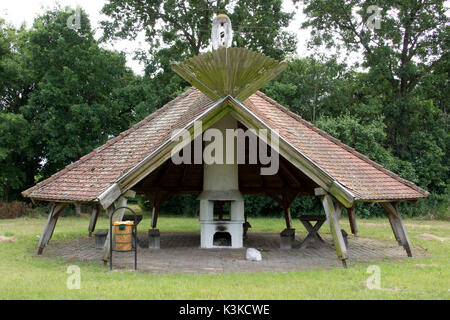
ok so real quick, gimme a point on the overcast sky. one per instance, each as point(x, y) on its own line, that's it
point(19, 11)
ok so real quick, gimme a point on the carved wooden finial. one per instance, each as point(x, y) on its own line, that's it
point(222, 33)
point(237, 72)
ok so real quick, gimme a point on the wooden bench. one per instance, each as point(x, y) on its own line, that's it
point(100, 238)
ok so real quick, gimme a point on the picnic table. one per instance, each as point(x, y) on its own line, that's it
point(313, 235)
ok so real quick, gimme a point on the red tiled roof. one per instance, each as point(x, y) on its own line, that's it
point(90, 176)
point(365, 178)
point(86, 179)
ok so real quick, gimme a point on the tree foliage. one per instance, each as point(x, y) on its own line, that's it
point(405, 51)
point(182, 28)
point(62, 95)
point(178, 29)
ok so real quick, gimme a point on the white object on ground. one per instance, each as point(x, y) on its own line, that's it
point(253, 255)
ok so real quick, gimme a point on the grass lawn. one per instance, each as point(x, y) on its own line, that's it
point(25, 276)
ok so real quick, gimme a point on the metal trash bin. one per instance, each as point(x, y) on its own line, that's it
point(123, 235)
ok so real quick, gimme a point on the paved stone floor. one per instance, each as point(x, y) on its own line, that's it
point(180, 253)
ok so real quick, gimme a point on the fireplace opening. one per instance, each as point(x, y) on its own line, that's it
point(222, 210)
point(222, 239)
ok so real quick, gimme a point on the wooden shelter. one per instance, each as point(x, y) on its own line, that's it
point(225, 83)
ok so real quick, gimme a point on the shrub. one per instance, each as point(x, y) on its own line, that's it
point(144, 204)
point(178, 205)
point(435, 206)
point(15, 209)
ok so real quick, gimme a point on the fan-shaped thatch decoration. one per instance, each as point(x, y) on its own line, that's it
point(229, 71)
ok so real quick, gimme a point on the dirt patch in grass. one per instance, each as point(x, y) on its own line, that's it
point(429, 236)
point(425, 265)
point(7, 239)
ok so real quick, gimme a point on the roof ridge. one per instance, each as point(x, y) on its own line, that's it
point(107, 144)
point(341, 144)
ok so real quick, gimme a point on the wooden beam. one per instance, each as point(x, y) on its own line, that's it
point(267, 191)
point(130, 194)
point(109, 196)
point(93, 221)
point(352, 220)
point(162, 198)
point(155, 212)
point(285, 170)
point(77, 209)
point(397, 225)
point(332, 210)
point(148, 191)
point(53, 215)
point(183, 175)
point(157, 199)
point(110, 209)
point(288, 218)
point(159, 179)
point(286, 200)
point(320, 192)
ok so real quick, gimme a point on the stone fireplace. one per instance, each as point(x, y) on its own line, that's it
point(221, 228)
point(221, 202)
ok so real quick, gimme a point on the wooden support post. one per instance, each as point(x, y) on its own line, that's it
point(352, 220)
point(332, 210)
point(78, 209)
point(110, 209)
point(94, 216)
point(157, 199)
point(288, 200)
point(155, 212)
point(121, 202)
point(287, 217)
point(55, 210)
point(285, 202)
point(397, 225)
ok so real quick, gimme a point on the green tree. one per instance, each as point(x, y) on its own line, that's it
point(368, 139)
point(185, 26)
point(312, 87)
point(406, 44)
point(15, 154)
point(76, 83)
point(19, 158)
point(62, 96)
point(406, 49)
point(177, 29)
